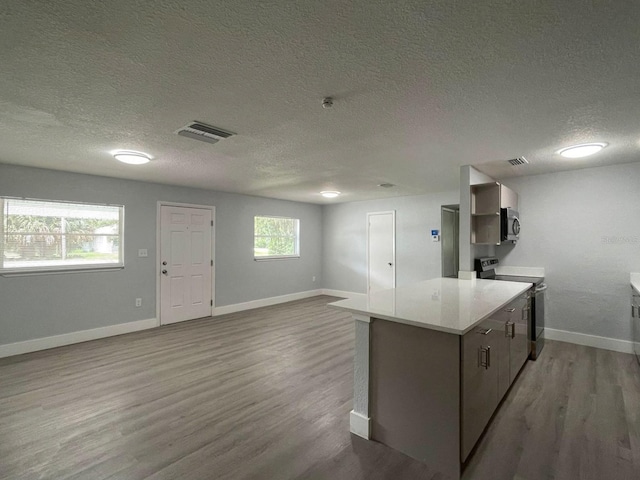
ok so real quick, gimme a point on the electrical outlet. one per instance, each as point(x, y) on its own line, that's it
point(313, 279)
point(138, 302)
point(142, 252)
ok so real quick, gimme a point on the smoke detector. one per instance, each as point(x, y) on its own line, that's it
point(516, 162)
point(327, 102)
point(203, 132)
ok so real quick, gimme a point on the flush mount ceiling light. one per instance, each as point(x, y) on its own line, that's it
point(131, 157)
point(582, 150)
point(329, 194)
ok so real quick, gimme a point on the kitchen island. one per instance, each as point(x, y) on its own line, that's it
point(432, 362)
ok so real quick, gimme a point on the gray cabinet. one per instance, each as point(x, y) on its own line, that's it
point(492, 355)
point(517, 331)
point(486, 201)
point(515, 342)
point(635, 323)
point(479, 382)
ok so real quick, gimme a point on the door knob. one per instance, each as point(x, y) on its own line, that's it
point(390, 263)
point(164, 272)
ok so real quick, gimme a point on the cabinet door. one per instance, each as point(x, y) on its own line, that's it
point(479, 383)
point(635, 324)
point(504, 364)
point(508, 198)
point(520, 346)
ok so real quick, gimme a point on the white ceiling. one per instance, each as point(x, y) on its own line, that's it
point(420, 87)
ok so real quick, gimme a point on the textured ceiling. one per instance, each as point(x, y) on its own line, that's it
point(420, 87)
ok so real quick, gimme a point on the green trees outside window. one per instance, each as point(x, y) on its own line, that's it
point(276, 237)
point(44, 235)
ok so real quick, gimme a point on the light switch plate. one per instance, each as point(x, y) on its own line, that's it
point(143, 252)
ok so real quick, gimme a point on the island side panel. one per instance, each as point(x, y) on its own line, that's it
point(415, 393)
point(359, 421)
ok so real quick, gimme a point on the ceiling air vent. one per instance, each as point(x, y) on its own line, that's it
point(518, 161)
point(386, 185)
point(206, 133)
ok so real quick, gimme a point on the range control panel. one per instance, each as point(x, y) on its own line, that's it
point(488, 263)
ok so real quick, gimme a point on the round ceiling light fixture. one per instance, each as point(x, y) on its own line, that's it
point(131, 157)
point(582, 150)
point(329, 194)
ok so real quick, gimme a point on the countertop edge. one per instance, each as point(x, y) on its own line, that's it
point(390, 318)
point(439, 328)
point(526, 286)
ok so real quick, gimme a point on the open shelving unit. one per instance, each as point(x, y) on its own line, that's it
point(485, 214)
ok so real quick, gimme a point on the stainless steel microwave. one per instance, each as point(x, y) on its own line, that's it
point(509, 225)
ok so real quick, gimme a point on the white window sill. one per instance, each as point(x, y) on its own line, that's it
point(60, 271)
point(281, 257)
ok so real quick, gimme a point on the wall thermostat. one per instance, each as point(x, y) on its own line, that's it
point(435, 235)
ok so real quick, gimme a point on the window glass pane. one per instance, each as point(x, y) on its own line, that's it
point(275, 237)
point(42, 235)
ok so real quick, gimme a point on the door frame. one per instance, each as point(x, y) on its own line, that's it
point(456, 211)
point(369, 215)
point(161, 204)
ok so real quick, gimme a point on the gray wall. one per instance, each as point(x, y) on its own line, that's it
point(344, 264)
point(583, 227)
point(44, 305)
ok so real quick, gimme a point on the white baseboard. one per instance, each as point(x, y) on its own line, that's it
point(265, 302)
point(605, 343)
point(341, 293)
point(360, 425)
point(45, 343)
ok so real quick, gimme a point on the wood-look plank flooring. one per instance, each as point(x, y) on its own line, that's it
point(265, 394)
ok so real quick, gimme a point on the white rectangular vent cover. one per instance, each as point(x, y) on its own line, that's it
point(518, 161)
point(206, 133)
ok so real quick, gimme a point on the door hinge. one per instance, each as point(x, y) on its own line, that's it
point(212, 303)
point(212, 263)
point(212, 223)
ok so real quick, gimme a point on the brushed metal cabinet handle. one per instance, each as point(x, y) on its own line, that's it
point(487, 357)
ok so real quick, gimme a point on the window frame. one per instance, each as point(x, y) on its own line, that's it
point(60, 269)
point(262, 258)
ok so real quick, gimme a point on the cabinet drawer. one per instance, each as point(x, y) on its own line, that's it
point(479, 382)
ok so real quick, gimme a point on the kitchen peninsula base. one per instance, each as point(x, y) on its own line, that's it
point(432, 362)
point(415, 393)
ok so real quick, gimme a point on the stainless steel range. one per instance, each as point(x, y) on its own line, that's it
point(486, 268)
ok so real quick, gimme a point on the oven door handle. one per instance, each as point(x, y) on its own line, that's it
point(541, 288)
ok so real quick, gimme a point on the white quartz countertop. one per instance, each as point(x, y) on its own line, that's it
point(635, 282)
point(446, 304)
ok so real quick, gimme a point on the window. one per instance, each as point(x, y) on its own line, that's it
point(276, 237)
point(39, 235)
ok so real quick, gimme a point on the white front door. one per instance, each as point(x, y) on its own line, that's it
point(186, 268)
point(381, 254)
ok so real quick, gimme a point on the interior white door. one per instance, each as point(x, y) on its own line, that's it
point(381, 251)
point(186, 263)
point(449, 239)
